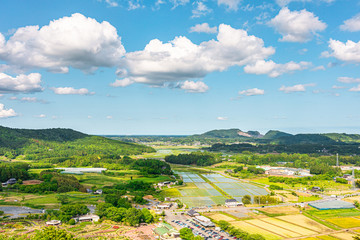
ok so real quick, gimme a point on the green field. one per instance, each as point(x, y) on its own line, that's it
point(324, 214)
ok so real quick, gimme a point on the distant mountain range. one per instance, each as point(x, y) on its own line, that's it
point(278, 137)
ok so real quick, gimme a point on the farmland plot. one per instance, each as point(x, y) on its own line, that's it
point(306, 222)
point(270, 227)
point(289, 226)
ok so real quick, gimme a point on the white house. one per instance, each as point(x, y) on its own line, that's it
point(232, 203)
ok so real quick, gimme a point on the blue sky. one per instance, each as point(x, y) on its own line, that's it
point(180, 66)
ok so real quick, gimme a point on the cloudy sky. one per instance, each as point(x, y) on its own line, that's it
point(180, 66)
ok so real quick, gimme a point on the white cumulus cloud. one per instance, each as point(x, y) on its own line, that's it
point(200, 10)
point(6, 113)
point(222, 118)
point(355, 89)
point(75, 41)
point(352, 24)
point(180, 59)
point(296, 26)
point(20, 84)
point(122, 82)
point(347, 52)
point(203, 28)
point(194, 87)
point(296, 88)
point(286, 2)
point(71, 91)
point(230, 4)
point(274, 69)
point(348, 80)
point(252, 92)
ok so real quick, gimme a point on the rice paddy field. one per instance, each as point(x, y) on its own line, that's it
point(289, 226)
point(198, 192)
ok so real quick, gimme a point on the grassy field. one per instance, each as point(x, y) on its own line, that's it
point(324, 214)
point(327, 185)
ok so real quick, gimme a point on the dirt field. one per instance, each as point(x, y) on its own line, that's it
point(280, 210)
point(32, 182)
point(305, 222)
point(219, 216)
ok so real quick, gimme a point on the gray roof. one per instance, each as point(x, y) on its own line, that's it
point(230, 200)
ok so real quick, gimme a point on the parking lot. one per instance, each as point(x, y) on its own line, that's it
point(199, 230)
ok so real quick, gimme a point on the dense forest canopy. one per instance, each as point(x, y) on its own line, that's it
point(195, 158)
point(62, 143)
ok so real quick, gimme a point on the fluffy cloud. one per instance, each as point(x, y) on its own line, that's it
point(318, 68)
point(348, 80)
point(21, 83)
point(75, 41)
point(200, 10)
point(222, 118)
point(71, 91)
point(203, 28)
point(6, 113)
point(296, 88)
point(194, 87)
point(355, 89)
point(273, 69)
point(122, 83)
point(347, 52)
point(177, 3)
point(180, 59)
point(230, 4)
point(286, 2)
point(252, 92)
point(352, 24)
point(41, 116)
point(296, 26)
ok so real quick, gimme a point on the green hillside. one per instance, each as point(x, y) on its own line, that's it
point(61, 143)
point(229, 133)
point(274, 134)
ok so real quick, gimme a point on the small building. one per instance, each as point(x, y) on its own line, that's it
point(99, 192)
point(164, 206)
point(11, 181)
point(166, 232)
point(204, 221)
point(232, 203)
point(193, 213)
point(87, 218)
point(53, 223)
point(315, 189)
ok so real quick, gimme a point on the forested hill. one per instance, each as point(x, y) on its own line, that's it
point(50, 143)
point(278, 137)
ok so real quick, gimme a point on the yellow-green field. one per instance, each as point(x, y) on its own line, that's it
point(256, 230)
point(345, 222)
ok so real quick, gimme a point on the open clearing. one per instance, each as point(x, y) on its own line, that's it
point(281, 210)
point(305, 222)
point(220, 216)
point(346, 222)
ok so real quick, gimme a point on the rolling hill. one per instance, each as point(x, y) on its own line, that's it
point(50, 143)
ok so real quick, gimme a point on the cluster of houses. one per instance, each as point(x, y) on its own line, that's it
point(285, 171)
point(80, 219)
